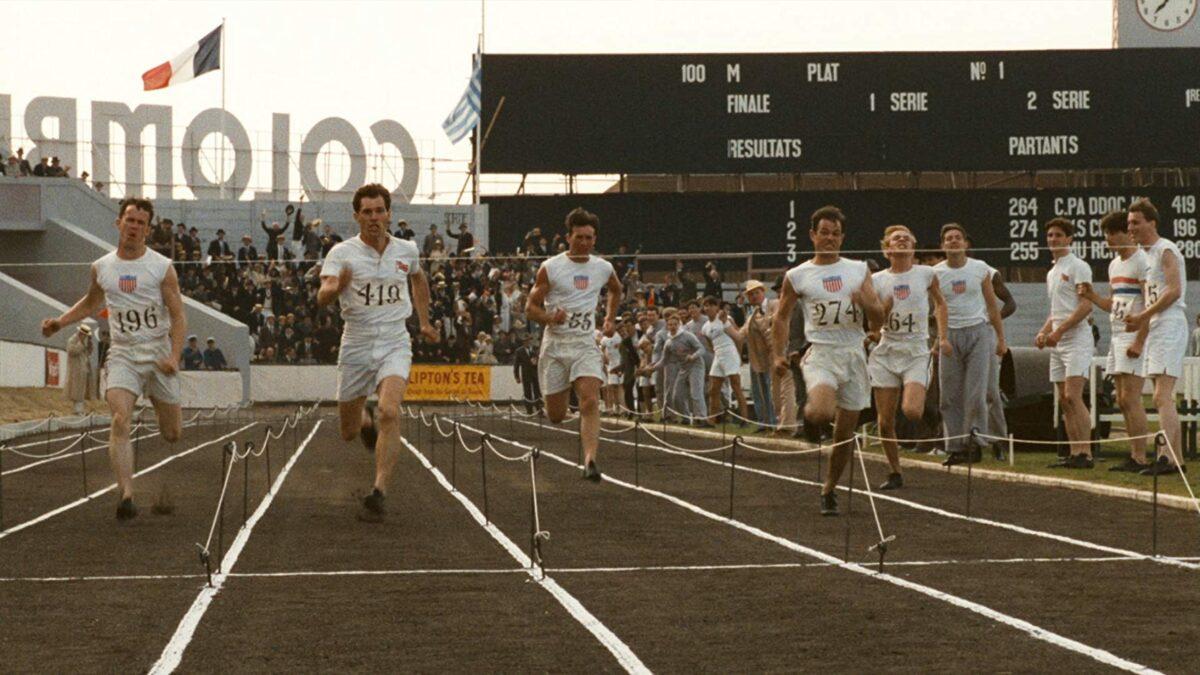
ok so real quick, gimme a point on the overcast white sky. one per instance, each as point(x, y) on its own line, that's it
point(409, 61)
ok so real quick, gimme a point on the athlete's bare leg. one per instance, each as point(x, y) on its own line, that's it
point(714, 398)
point(587, 390)
point(556, 405)
point(387, 419)
point(885, 408)
point(170, 420)
point(821, 407)
point(844, 424)
point(352, 416)
point(1075, 415)
point(120, 453)
point(735, 382)
point(1168, 416)
point(1129, 400)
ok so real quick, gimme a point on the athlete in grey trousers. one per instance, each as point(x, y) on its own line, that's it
point(997, 424)
point(682, 353)
point(964, 375)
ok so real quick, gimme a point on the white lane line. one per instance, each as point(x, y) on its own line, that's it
point(624, 655)
point(173, 653)
point(1036, 632)
point(112, 486)
point(556, 570)
point(1172, 561)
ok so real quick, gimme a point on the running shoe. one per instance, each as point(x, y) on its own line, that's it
point(126, 510)
point(972, 456)
point(1130, 465)
point(372, 507)
point(1080, 461)
point(894, 482)
point(1163, 467)
point(829, 505)
point(590, 472)
point(369, 433)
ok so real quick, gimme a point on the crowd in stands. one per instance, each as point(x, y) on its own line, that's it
point(269, 282)
point(18, 166)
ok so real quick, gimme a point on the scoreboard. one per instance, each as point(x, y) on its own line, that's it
point(793, 113)
point(1007, 227)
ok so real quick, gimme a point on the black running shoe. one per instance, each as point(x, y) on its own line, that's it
point(829, 504)
point(590, 472)
point(894, 482)
point(126, 510)
point(369, 433)
point(972, 456)
point(372, 507)
point(1163, 467)
point(1130, 465)
point(1079, 461)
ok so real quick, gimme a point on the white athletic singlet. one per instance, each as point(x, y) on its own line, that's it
point(376, 299)
point(575, 288)
point(612, 350)
point(1066, 272)
point(963, 289)
point(909, 291)
point(1156, 280)
point(723, 345)
point(830, 316)
point(1127, 279)
point(137, 316)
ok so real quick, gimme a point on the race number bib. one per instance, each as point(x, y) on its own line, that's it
point(902, 323)
point(130, 321)
point(834, 313)
point(381, 294)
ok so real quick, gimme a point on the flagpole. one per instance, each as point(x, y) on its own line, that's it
point(478, 135)
point(221, 178)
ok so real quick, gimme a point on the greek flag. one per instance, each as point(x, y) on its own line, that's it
point(466, 113)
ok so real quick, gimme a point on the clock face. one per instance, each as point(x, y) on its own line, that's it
point(1166, 14)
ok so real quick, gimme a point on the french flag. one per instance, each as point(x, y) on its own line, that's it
point(196, 60)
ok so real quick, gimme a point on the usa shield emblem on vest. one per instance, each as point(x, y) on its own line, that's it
point(832, 284)
point(959, 286)
point(127, 283)
point(581, 282)
point(900, 292)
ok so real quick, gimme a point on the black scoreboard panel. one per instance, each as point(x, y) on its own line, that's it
point(793, 113)
point(1006, 226)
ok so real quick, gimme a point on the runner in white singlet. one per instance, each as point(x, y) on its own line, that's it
point(724, 341)
point(1127, 280)
point(1067, 336)
point(610, 349)
point(370, 276)
point(147, 325)
point(564, 299)
point(899, 365)
point(835, 292)
point(1166, 341)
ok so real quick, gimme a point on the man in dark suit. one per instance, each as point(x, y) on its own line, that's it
point(218, 249)
point(247, 253)
point(525, 371)
point(629, 361)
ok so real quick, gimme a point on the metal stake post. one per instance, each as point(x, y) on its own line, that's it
point(1159, 441)
point(483, 468)
point(454, 457)
point(83, 462)
point(849, 501)
point(246, 484)
point(733, 471)
point(4, 448)
point(637, 445)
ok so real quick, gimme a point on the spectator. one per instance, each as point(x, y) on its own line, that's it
point(403, 231)
point(214, 359)
point(430, 239)
point(329, 238)
point(312, 241)
point(466, 240)
point(81, 385)
point(297, 228)
point(57, 170)
point(275, 235)
point(484, 353)
point(756, 334)
point(161, 239)
point(192, 358)
point(23, 163)
point(218, 249)
point(43, 168)
point(525, 372)
point(1195, 348)
point(246, 252)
